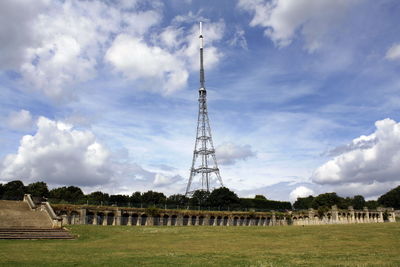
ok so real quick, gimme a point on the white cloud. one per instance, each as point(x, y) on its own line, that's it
point(134, 58)
point(239, 39)
point(57, 49)
point(282, 19)
point(58, 154)
point(21, 120)
point(371, 162)
point(167, 60)
point(300, 191)
point(58, 45)
point(229, 153)
point(393, 52)
point(161, 180)
point(16, 30)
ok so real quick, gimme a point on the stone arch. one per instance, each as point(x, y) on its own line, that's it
point(219, 220)
point(248, 220)
point(110, 218)
point(134, 219)
point(225, 221)
point(173, 220)
point(89, 217)
point(262, 222)
point(143, 219)
point(235, 221)
point(156, 220)
point(100, 218)
point(241, 221)
point(165, 219)
point(185, 220)
point(211, 221)
point(256, 221)
point(268, 221)
point(124, 218)
point(193, 220)
point(201, 220)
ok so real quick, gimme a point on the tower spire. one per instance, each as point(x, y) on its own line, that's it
point(201, 57)
point(204, 163)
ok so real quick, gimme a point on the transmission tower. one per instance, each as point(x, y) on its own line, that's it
point(204, 163)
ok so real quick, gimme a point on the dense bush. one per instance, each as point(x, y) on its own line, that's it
point(391, 198)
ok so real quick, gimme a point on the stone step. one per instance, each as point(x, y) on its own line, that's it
point(34, 233)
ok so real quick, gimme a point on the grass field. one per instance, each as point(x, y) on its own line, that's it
point(325, 245)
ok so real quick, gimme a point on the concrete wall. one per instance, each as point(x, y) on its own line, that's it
point(142, 217)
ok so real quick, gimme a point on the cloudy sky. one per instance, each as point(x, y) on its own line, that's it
point(303, 95)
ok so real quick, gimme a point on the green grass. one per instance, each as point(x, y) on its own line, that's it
point(325, 245)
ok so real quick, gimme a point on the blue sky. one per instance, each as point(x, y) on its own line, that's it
point(303, 95)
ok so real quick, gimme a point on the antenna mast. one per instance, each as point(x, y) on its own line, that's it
point(204, 163)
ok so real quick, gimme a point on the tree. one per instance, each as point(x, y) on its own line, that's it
point(38, 189)
point(345, 203)
point(391, 198)
point(372, 204)
point(151, 197)
point(1, 191)
point(136, 198)
point(222, 197)
point(119, 200)
point(177, 199)
point(14, 190)
point(199, 198)
point(260, 197)
point(98, 198)
point(303, 203)
point(70, 194)
point(326, 200)
point(358, 202)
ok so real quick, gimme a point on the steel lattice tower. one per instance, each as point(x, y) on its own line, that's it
point(204, 163)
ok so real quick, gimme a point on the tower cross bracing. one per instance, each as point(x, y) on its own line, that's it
point(204, 163)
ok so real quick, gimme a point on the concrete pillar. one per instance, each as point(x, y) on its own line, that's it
point(95, 218)
point(169, 221)
point(129, 219)
point(82, 218)
point(149, 221)
point(117, 217)
point(139, 220)
point(392, 217)
point(179, 220)
point(381, 216)
point(334, 214)
point(311, 215)
point(230, 221)
point(273, 219)
point(105, 219)
point(197, 220)
point(64, 219)
point(352, 215)
point(366, 212)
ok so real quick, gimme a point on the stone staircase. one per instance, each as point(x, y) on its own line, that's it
point(34, 233)
point(19, 221)
point(18, 214)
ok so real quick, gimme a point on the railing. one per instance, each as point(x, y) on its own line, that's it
point(28, 199)
point(167, 206)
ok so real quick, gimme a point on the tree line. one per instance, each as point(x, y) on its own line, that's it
point(220, 198)
point(327, 200)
